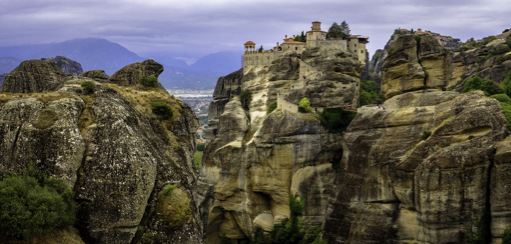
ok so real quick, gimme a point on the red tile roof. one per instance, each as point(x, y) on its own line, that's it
point(249, 43)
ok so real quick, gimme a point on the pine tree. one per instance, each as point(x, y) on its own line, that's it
point(334, 31)
point(345, 29)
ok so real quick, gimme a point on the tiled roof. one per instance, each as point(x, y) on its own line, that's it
point(249, 43)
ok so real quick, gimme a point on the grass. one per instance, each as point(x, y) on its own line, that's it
point(197, 157)
point(46, 119)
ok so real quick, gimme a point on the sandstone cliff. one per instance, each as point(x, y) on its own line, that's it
point(253, 161)
point(426, 168)
point(110, 148)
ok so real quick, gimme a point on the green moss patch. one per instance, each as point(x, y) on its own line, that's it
point(173, 208)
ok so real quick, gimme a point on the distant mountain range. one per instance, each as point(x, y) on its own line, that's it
point(96, 53)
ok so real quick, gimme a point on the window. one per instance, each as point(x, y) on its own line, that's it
point(361, 51)
point(296, 48)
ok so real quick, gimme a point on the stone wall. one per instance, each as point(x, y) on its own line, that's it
point(283, 104)
point(328, 44)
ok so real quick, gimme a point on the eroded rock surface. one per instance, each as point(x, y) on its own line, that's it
point(97, 74)
point(68, 66)
point(34, 76)
point(112, 150)
point(132, 73)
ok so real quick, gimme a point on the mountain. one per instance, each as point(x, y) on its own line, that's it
point(221, 62)
point(92, 53)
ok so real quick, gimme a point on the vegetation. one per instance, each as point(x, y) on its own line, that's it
point(261, 49)
point(162, 110)
point(167, 189)
point(370, 93)
point(47, 118)
point(245, 98)
point(88, 87)
point(300, 38)
point(337, 31)
point(425, 135)
point(173, 206)
point(471, 43)
point(200, 147)
point(473, 84)
point(33, 204)
point(506, 84)
point(336, 120)
point(304, 106)
point(272, 106)
point(149, 81)
point(197, 156)
point(482, 234)
point(506, 238)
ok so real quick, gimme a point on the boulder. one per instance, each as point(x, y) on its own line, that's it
point(132, 73)
point(97, 74)
point(34, 76)
point(68, 66)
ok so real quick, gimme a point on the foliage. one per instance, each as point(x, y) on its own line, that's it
point(246, 98)
point(167, 189)
point(224, 239)
point(502, 98)
point(425, 135)
point(304, 106)
point(506, 84)
point(197, 156)
point(471, 43)
point(200, 147)
point(482, 234)
point(149, 81)
point(173, 206)
point(261, 49)
point(88, 87)
point(491, 88)
point(506, 110)
point(336, 120)
point(389, 52)
point(33, 204)
point(337, 31)
point(162, 110)
point(259, 237)
point(370, 93)
point(506, 237)
point(502, 59)
point(272, 106)
point(300, 38)
point(473, 84)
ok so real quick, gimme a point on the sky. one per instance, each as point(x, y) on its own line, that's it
point(190, 29)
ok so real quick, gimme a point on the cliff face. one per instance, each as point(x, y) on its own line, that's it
point(253, 161)
point(33, 76)
point(397, 183)
point(110, 148)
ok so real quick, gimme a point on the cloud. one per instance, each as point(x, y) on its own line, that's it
point(194, 28)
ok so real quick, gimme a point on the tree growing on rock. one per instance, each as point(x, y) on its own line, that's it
point(304, 106)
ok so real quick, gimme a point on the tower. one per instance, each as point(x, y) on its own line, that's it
point(249, 46)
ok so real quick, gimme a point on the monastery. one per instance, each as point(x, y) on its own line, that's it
point(314, 38)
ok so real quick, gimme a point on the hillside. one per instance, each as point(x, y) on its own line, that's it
point(220, 63)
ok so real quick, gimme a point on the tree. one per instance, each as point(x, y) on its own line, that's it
point(506, 238)
point(162, 110)
point(335, 31)
point(259, 237)
point(473, 84)
point(304, 106)
point(506, 84)
point(200, 147)
point(261, 49)
point(245, 97)
point(88, 87)
point(149, 81)
point(272, 106)
point(345, 29)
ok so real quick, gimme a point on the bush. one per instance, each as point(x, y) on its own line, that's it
point(482, 234)
point(245, 98)
point(506, 238)
point(272, 106)
point(336, 120)
point(304, 106)
point(473, 84)
point(491, 88)
point(506, 110)
point(425, 135)
point(506, 84)
point(88, 87)
point(502, 98)
point(200, 147)
point(370, 93)
point(149, 81)
point(167, 189)
point(259, 237)
point(162, 110)
point(31, 206)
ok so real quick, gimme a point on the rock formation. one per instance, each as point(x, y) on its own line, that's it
point(253, 161)
point(34, 76)
point(131, 74)
point(68, 66)
point(110, 148)
point(98, 75)
point(2, 78)
point(426, 168)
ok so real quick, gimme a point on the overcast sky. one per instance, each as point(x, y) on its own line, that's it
point(194, 28)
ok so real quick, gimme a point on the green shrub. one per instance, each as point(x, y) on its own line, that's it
point(491, 87)
point(245, 98)
point(31, 206)
point(473, 84)
point(506, 110)
point(336, 120)
point(502, 59)
point(506, 238)
point(88, 87)
point(167, 189)
point(259, 237)
point(272, 106)
point(426, 75)
point(425, 135)
point(304, 106)
point(482, 235)
point(501, 50)
point(197, 156)
point(471, 137)
point(370, 93)
point(506, 84)
point(200, 147)
point(149, 81)
point(502, 98)
point(162, 110)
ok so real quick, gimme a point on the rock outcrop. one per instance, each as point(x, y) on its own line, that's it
point(34, 76)
point(253, 161)
point(2, 78)
point(131, 74)
point(68, 66)
point(112, 150)
point(98, 75)
point(415, 62)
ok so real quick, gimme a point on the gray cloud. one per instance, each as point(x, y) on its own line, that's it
point(192, 28)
